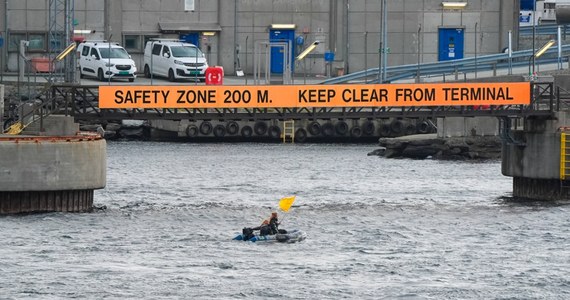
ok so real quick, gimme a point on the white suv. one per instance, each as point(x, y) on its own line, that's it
point(174, 60)
point(105, 60)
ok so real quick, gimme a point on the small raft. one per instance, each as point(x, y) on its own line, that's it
point(292, 236)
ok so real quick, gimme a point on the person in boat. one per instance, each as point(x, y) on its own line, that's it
point(264, 228)
point(274, 223)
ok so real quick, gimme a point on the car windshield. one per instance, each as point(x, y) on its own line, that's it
point(186, 51)
point(115, 53)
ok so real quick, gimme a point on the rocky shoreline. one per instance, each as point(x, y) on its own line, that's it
point(430, 146)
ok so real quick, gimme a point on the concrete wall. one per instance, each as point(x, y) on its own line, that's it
point(459, 127)
point(44, 164)
point(539, 158)
point(350, 28)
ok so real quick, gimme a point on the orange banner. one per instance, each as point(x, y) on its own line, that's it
point(291, 96)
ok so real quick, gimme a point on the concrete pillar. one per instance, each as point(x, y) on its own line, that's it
point(535, 164)
point(51, 173)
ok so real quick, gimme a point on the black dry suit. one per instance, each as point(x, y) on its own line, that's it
point(274, 225)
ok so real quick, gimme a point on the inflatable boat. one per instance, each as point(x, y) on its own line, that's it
point(292, 236)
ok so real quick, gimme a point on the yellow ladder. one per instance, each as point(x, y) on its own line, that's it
point(288, 131)
point(564, 156)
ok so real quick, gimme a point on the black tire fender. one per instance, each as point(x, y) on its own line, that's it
point(192, 130)
point(397, 126)
point(385, 130)
point(219, 130)
point(246, 131)
point(423, 127)
point(300, 135)
point(341, 128)
point(314, 128)
point(206, 128)
point(355, 132)
point(274, 132)
point(260, 128)
point(232, 128)
point(410, 129)
point(327, 129)
point(368, 128)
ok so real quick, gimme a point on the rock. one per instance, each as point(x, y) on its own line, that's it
point(479, 147)
point(419, 152)
point(377, 152)
point(113, 127)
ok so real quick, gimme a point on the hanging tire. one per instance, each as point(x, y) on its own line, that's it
point(192, 130)
point(397, 126)
point(341, 128)
point(260, 128)
point(423, 127)
point(274, 132)
point(356, 132)
point(246, 131)
point(410, 129)
point(385, 130)
point(206, 128)
point(300, 135)
point(368, 128)
point(219, 130)
point(327, 129)
point(314, 128)
point(232, 128)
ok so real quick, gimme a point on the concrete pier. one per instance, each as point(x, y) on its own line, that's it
point(51, 173)
point(534, 163)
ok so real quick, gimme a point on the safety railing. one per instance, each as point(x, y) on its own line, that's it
point(491, 62)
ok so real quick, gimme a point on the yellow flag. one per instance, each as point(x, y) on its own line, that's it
point(285, 203)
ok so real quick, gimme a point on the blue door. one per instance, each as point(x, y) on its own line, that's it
point(280, 35)
point(191, 37)
point(450, 43)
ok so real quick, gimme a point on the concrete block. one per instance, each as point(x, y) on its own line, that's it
point(53, 165)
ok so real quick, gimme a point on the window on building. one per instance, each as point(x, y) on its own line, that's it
point(132, 43)
point(188, 5)
point(14, 41)
point(37, 42)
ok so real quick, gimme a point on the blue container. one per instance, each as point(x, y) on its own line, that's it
point(329, 56)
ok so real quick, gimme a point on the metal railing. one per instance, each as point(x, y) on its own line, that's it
point(493, 62)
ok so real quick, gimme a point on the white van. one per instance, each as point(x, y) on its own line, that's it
point(105, 60)
point(174, 60)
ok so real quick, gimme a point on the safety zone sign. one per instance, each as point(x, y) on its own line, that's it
point(296, 96)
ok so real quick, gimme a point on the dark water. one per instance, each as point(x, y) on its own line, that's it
point(377, 229)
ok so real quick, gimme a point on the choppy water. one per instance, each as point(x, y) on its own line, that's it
point(377, 229)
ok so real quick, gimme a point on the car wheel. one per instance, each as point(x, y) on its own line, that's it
point(131, 79)
point(171, 75)
point(147, 71)
point(100, 75)
point(81, 74)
